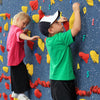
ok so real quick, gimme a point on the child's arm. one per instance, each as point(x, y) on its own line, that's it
point(25, 37)
point(77, 22)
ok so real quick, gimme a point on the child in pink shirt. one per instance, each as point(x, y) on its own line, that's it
point(16, 54)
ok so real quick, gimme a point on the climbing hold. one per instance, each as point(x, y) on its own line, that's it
point(2, 48)
point(6, 26)
point(37, 93)
point(35, 18)
point(41, 14)
point(38, 57)
point(84, 10)
point(93, 21)
point(99, 0)
point(60, 14)
point(90, 2)
point(1, 58)
point(60, 0)
point(11, 21)
point(84, 56)
point(10, 96)
point(29, 33)
point(48, 59)
point(71, 20)
point(84, 36)
point(7, 85)
point(78, 66)
point(5, 69)
point(82, 99)
point(34, 4)
point(52, 2)
point(3, 15)
point(94, 56)
point(66, 25)
point(0, 29)
point(24, 9)
point(5, 96)
point(49, 7)
point(7, 15)
point(87, 74)
point(41, 44)
point(70, 1)
point(29, 68)
point(30, 44)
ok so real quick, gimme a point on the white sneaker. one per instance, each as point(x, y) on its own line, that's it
point(14, 95)
point(22, 97)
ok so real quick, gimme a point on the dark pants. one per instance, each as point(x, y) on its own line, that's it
point(63, 90)
point(19, 78)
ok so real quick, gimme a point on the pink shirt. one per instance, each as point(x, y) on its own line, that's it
point(15, 46)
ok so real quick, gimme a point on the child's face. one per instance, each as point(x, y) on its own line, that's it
point(22, 23)
point(56, 27)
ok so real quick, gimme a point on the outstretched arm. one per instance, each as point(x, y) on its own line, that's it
point(77, 22)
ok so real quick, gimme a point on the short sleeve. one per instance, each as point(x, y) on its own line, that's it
point(18, 32)
point(66, 37)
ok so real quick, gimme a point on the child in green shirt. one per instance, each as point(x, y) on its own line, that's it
point(58, 46)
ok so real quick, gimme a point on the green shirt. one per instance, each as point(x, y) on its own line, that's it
point(59, 50)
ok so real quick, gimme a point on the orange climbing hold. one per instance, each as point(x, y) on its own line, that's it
point(30, 44)
point(38, 57)
point(37, 93)
point(84, 56)
point(34, 5)
point(41, 14)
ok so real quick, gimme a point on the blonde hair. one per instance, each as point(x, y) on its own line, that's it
point(21, 16)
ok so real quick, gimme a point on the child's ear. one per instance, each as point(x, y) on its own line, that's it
point(50, 30)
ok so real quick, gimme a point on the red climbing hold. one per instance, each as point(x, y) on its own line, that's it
point(34, 5)
point(84, 56)
point(6, 85)
point(0, 29)
point(11, 97)
point(41, 14)
point(2, 48)
point(66, 25)
point(37, 93)
point(5, 96)
point(38, 57)
point(30, 44)
point(7, 15)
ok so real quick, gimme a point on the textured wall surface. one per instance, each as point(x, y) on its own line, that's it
point(91, 42)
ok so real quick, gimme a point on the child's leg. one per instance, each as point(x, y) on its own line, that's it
point(63, 90)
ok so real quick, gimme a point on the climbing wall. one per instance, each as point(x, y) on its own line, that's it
point(85, 50)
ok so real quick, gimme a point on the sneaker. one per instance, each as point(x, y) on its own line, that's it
point(14, 95)
point(22, 97)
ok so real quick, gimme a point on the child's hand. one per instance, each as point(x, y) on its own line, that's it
point(35, 38)
point(76, 7)
point(62, 19)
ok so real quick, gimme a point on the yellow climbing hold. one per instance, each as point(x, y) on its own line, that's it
point(3, 15)
point(94, 56)
point(15, 99)
point(82, 99)
point(60, 14)
point(60, 0)
point(36, 18)
point(41, 44)
point(24, 9)
point(1, 41)
point(11, 21)
point(52, 2)
point(71, 20)
point(6, 26)
point(48, 59)
point(29, 33)
point(84, 10)
point(1, 58)
point(90, 2)
point(99, 0)
point(78, 66)
point(5, 69)
point(29, 68)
